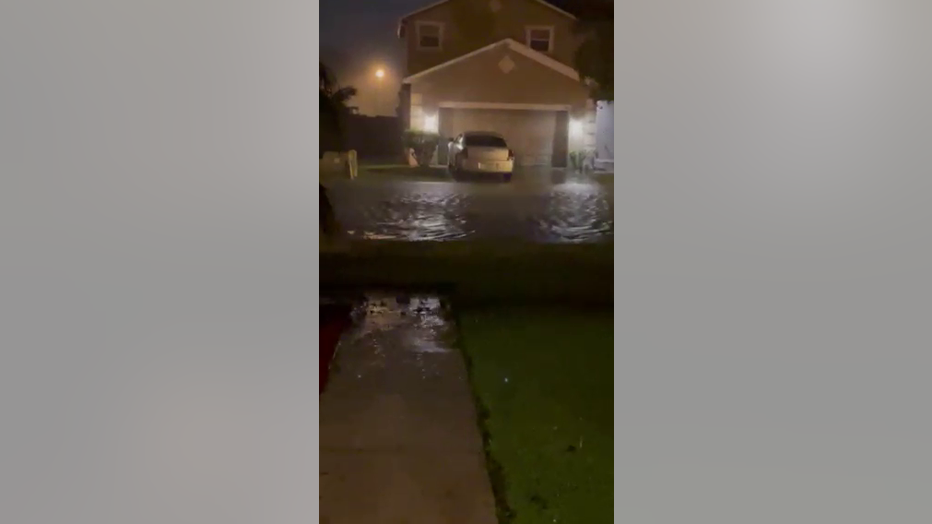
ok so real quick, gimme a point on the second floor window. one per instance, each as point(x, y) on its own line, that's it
point(540, 39)
point(429, 35)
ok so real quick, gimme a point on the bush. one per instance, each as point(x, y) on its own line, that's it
point(424, 145)
point(582, 161)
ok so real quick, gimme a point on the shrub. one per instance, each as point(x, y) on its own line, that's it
point(424, 145)
point(582, 160)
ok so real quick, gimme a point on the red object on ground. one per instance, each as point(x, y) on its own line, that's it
point(333, 322)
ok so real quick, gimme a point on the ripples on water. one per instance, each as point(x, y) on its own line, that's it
point(416, 211)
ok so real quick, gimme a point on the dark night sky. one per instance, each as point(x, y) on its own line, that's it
point(357, 37)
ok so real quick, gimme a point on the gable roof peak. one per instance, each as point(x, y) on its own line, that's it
point(552, 4)
point(513, 45)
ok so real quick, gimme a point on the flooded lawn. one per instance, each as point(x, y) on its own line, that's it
point(531, 208)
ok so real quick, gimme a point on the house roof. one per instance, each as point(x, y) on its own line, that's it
point(515, 46)
point(552, 4)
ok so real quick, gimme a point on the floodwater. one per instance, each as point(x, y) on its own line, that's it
point(414, 330)
point(531, 208)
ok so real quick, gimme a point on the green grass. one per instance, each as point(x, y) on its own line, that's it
point(386, 173)
point(402, 173)
point(606, 179)
point(544, 382)
point(384, 167)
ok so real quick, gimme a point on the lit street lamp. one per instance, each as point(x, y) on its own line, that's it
point(380, 77)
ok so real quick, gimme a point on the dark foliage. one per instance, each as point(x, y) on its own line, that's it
point(333, 109)
point(595, 58)
point(424, 145)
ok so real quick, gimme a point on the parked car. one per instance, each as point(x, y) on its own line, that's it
point(481, 152)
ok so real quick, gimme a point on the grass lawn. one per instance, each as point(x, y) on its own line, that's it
point(606, 179)
point(402, 173)
point(387, 173)
point(544, 381)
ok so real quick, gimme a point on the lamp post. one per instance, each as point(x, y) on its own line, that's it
point(380, 77)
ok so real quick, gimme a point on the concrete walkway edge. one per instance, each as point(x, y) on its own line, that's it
point(400, 440)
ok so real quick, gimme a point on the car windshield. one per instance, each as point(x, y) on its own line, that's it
point(485, 141)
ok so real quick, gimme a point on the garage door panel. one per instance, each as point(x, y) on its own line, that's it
point(531, 134)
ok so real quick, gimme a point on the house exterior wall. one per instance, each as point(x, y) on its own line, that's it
point(527, 83)
point(585, 140)
point(469, 25)
point(537, 137)
point(605, 131)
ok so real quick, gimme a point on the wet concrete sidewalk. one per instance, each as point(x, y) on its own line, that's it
point(398, 427)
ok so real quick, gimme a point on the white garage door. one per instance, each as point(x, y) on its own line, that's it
point(531, 134)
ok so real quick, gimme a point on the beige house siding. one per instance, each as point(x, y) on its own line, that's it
point(527, 82)
point(469, 25)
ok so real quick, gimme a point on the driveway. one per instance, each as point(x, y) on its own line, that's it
point(539, 205)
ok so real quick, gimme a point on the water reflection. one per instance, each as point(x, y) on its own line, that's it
point(573, 211)
point(578, 212)
point(392, 330)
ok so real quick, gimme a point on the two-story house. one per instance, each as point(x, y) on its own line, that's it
point(498, 65)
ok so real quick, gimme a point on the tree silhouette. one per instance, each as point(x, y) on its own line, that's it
point(333, 109)
point(595, 58)
point(331, 139)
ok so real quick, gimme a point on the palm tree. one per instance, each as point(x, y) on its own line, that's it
point(333, 109)
point(332, 99)
point(341, 97)
point(331, 136)
point(326, 78)
point(595, 57)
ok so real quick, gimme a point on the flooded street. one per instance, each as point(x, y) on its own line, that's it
point(535, 208)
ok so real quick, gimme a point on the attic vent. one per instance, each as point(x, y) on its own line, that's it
point(507, 65)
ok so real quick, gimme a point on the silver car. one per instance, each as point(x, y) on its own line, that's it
point(481, 152)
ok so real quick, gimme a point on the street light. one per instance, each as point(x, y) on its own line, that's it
point(380, 76)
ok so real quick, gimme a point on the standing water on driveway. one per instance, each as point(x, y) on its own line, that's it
point(398, 426)
point(535, 207)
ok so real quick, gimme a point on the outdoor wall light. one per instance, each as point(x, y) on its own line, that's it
point(431, 124)
point(576, 127)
